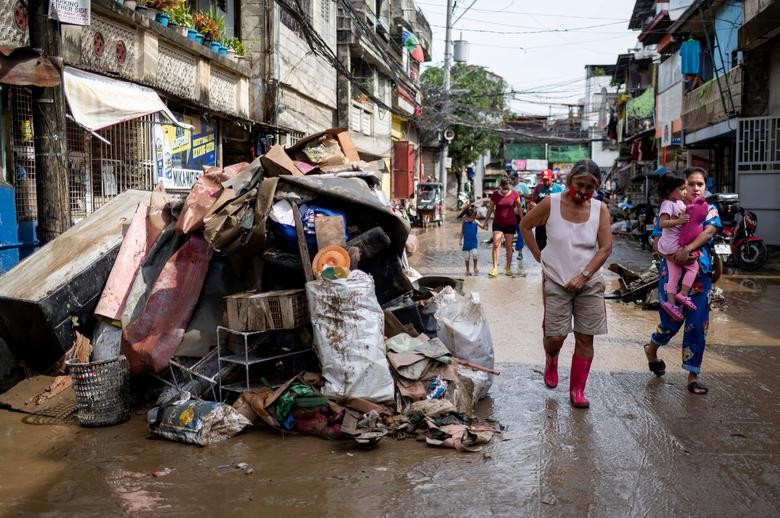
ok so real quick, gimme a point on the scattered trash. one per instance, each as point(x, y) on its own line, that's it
point(216, 293)
point(162, 472)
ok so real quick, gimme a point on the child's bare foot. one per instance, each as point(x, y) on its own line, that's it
point(476, 271)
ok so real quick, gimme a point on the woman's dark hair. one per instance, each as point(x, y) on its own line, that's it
point(688, 171)
point(669, 183)
point(504, 183)
point(584, 167)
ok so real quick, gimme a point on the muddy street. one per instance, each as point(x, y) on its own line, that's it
point(645, 447)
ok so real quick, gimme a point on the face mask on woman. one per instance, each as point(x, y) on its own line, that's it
point(579, 197)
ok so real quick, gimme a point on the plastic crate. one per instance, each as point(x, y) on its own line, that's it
point(268, 311)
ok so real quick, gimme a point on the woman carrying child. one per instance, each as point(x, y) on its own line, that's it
point(672, 217)
point(696, 321)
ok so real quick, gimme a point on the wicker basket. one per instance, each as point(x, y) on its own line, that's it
point(102, 391)
point(267, 311)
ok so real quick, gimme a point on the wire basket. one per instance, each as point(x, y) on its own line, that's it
point(272, 310)
point(102, 391)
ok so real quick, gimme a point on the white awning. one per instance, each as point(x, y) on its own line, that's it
point(97, 101)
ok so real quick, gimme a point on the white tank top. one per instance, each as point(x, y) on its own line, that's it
point(570, 246)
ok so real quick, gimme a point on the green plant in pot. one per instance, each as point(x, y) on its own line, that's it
point(145, 8)
point(206, 25)
point(237, 47)
point(181, 17)
point(162, 7)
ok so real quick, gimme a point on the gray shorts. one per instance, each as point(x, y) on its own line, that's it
point(470, 254)
point(586, 308)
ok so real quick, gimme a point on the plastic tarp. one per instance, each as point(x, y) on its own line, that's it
point(348, 329)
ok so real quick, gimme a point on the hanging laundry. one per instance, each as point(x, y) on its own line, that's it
point(690, 57)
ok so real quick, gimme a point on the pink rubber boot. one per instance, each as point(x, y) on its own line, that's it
point(580, 368)
point(550, 370)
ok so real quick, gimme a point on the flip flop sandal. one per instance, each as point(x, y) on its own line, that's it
point(697, 388)
point(657, 367)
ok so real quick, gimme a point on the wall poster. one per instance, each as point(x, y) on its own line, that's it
point(181, 154)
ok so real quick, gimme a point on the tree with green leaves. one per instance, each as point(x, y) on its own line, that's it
point(476, 104)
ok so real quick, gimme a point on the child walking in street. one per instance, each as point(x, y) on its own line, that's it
point(468, 237)
point(672, 215)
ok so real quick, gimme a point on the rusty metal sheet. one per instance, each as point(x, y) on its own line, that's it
point(25, 66)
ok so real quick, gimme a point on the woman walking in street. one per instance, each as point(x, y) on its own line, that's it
point(506, 204)
point(579, 241)
point(696, 321)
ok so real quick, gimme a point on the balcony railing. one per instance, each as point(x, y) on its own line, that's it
point(704, 106)
point(120, 42)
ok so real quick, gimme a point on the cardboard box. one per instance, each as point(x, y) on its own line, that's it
point(341, 134)
point(277, 163)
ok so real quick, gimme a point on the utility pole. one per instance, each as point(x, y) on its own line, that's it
point(51, 165)
point(445, 146)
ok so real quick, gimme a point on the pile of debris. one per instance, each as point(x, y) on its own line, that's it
point(273, 293)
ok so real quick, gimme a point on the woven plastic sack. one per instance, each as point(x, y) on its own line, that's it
point(348, 329)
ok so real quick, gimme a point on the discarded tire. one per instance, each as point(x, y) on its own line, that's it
point(102, 391)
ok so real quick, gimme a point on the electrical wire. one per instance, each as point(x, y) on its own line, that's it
point(543, 31)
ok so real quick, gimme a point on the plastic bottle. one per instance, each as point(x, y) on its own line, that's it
point(436, 388)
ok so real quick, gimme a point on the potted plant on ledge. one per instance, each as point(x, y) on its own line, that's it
point(144, 7)
point(181, 19)
point(237, 50)
point(206, 26)
point(162, 7)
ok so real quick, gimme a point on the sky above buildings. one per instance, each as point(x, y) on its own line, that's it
point(539, 48)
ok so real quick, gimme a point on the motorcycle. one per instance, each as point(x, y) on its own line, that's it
point(737, 241)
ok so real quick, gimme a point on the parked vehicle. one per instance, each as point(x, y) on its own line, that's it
point(430, 206)
point(737, 240)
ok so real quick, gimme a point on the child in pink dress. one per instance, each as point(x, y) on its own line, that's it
point(673, 216)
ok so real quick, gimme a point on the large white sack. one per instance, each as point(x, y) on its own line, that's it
point(464, 329)
point(348, 326)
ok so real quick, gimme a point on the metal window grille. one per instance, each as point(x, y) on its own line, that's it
point(127, 163)
point(22, 142)
point(292, 138)
point(96, 171)
point(758, 144)
point(79, 148)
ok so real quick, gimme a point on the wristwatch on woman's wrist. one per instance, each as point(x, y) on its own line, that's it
point(585, 273)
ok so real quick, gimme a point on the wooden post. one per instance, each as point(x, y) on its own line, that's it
point(51, 162)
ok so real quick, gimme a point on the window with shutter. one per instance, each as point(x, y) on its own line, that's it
point(325, 18)
point(366, 123)
point(355, 118)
